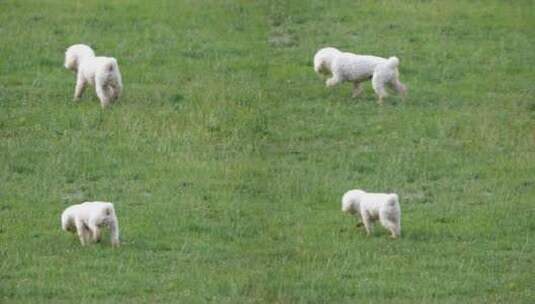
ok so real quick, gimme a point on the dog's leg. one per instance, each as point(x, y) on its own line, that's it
point(81, 236)
point(80, 86)
point(80, 229)
point(95, 232)
point(390, 221)
point(367, 224)
point(96, 235)
point(334, 80)
point(357, 89)
point(379, 87)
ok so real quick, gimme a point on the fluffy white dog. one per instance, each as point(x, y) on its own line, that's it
point(344, 66)
point(374, 206)
point(88, 218)
point(101, 72)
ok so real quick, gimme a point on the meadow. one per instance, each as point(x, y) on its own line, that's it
point(226, 157)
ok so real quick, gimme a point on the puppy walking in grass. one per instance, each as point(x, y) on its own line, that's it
point(342, 66)
point(88, 218)
point(101, 72)
point(374, 206)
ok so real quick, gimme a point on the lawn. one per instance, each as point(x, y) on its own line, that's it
point(227, 157)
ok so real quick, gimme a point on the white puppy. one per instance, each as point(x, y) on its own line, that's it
point(374, 206)
point(357, 69)
point(101, 72)
point(88, 218)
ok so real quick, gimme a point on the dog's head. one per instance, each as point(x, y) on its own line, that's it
point(75, 54)
point(348, 207)
point(402, 89)
point(323, 59)
point(351, 201)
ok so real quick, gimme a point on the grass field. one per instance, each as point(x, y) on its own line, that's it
point(227, 157)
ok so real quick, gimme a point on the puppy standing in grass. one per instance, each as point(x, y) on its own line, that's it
point(88, 218)
point(374, 206)
point(101, 72)
point(357, 69)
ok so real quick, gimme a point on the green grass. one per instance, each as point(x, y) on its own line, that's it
point(227, 157)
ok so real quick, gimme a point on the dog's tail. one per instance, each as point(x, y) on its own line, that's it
point(392, 62)
point(113, 223)
point(114, 232)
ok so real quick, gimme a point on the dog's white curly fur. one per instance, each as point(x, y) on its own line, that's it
point(343, 66)
point(101, 72)
point(88, 218)
point(374, 206)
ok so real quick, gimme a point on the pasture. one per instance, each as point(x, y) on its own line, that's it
point(226, 157)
